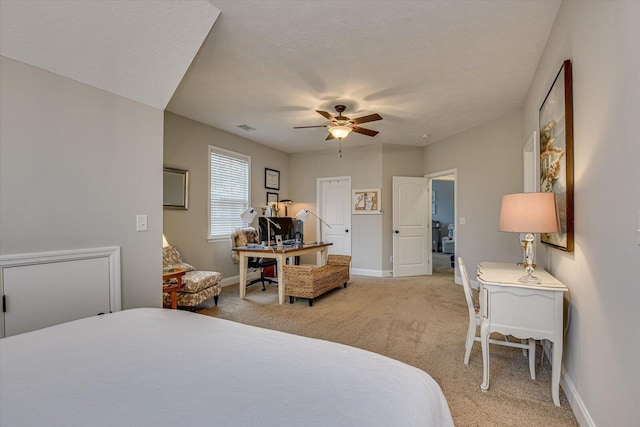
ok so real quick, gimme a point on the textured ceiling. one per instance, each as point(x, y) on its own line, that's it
point(428, 67)
point(135, 48)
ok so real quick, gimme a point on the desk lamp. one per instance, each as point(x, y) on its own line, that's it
point(529, 213)
point(249, 215)
point(269, 228)
point(303, 214)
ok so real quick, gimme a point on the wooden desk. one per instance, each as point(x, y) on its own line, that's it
point(280, 255)
point(172, 289)
point(522, 310)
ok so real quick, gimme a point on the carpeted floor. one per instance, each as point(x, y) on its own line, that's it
point(421, 321)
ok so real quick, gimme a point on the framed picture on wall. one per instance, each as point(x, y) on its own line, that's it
point(175, 188)
point(556, 155)
point(366, 201)
point(272, 198)
point(271, 179)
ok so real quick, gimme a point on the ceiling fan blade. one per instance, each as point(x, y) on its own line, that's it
point(366, 119)
point(364, 131)
point(330, 136)
point(306, 127)
point(325, 115)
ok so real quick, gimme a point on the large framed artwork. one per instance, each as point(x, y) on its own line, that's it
point(556, 155)
point(366, 201)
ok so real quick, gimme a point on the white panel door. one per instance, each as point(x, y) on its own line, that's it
point(411, 227)
point(334, 202)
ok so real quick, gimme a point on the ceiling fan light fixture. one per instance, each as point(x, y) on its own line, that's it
point(340, 132)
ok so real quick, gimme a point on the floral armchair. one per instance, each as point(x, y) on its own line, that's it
point(198, 287)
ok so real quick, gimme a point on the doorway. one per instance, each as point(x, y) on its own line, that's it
point(444, 236)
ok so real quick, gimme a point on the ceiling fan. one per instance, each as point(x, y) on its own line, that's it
point(341, 126)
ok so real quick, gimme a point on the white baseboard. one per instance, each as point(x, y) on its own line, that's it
point(371, 273)
point(575, 401)
point(234, 280)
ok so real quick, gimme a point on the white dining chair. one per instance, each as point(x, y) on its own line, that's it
point(475, 320)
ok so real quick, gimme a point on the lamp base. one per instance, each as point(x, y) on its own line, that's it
point(529, 264)
point(529, 279)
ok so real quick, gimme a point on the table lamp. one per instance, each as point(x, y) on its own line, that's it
point(303, 214)
point(529, 213)
point(286, 202)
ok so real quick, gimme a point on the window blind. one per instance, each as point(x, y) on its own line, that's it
point(229, 174)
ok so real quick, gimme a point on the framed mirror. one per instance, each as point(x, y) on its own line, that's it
point(175, 188)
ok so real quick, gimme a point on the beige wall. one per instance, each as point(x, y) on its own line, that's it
point(186, 146)
point(77, 164)
point(488, 160)
point(398, 160)
point(369, 166)
point(603, 273)
point(363, 164)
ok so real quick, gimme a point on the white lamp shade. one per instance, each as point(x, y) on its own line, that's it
point(164, 242)
point(303, 215)
point(529, 213)
point(249, 215)
point(340, 132)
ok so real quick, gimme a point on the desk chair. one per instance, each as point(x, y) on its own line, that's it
point(475, 320)
point(244, 237)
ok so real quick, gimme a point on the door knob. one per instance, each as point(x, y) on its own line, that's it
point(346, 231)
point(396, 231)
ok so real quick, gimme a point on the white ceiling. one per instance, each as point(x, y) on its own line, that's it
point(135, 48)
point(428, 67)
point(432, 68)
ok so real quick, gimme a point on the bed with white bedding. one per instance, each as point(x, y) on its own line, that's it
point(165, 367)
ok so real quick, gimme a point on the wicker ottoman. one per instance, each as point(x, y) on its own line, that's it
point(305, 281)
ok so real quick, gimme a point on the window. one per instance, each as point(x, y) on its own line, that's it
point(229, 177)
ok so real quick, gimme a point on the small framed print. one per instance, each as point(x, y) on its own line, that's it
point(271, 179)
point(272, 198)
point(366, 201)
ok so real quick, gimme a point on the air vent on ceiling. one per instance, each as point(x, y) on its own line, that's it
point(246, 127)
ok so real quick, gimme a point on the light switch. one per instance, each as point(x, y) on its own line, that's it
point(141, 223)
point(463, 220)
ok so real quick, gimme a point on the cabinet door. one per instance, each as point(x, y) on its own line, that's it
point(48, 294)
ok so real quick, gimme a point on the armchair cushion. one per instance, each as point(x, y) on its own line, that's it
point(195, 281)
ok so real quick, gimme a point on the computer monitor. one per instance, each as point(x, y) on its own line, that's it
point(290, 229)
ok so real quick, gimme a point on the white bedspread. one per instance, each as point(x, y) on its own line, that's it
point(166, 367)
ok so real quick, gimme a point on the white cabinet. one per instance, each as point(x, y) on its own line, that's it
point(45, 289)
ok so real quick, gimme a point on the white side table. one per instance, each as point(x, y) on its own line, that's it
point(522, 310)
